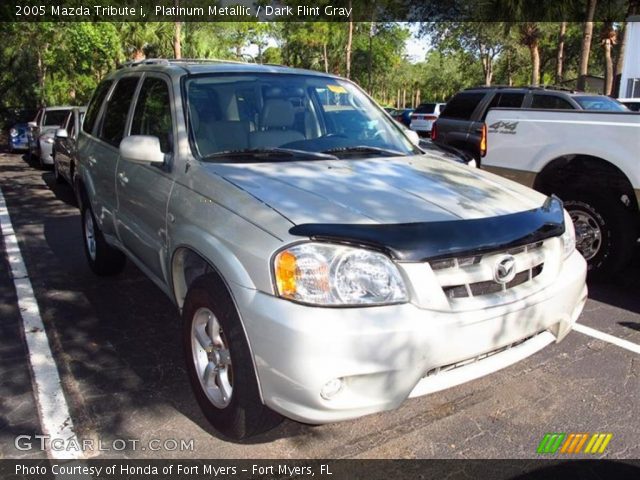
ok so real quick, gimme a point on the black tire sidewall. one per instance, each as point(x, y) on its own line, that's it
point(614, 222)
point(245, 415)
point(108, 260)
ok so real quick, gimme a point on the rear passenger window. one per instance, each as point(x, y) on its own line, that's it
point(153, 113)
point(551, 102)
point(462, 105)
point(505, 100)
point(117, 109)
point(94, 106)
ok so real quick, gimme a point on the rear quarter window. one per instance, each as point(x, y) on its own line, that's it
point(94, 106)
point(462, 105)
point(551, 102)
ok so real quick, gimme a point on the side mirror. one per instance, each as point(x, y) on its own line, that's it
point(143, 149)
point(32, 125)
point(62, 133)
point(413, 136)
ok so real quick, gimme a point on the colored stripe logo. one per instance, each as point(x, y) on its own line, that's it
point(572, 443)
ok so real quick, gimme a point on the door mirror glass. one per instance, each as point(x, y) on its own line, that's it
point(143, 149)
point(32, 124)
point(62, 133)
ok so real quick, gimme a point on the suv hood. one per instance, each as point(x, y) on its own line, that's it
point(421, 188)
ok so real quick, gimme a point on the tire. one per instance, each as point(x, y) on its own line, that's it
point(606, 232)
point(231, 403)
point(103, 259)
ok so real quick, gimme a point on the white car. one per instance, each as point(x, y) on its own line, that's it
point(424, 116)
point(42, 131)
point(324, 265)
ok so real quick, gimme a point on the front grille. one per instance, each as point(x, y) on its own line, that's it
point(474, 276)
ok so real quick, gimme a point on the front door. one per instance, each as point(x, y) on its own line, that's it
point(143, 190)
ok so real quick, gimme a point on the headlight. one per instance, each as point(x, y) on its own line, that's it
point(325, 274)
point(569, 236)
point(13, 132)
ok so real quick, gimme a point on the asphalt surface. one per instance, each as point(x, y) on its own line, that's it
point(116, 345)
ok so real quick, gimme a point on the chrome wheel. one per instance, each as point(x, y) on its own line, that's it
point(588, 233)
point(89, 234)
point(211, 357)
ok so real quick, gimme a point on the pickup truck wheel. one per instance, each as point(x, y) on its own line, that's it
point(604, 235)
point(103, 259)
point(219, 362)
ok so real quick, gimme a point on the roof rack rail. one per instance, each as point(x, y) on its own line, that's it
point(530, 87)
point(179, 61)
point(147, 61)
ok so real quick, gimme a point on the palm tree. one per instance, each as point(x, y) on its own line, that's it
point(586, 45)
point(608, 38)
point(560, 53)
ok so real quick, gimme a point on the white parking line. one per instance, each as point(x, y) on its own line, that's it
point(633, 347)
point(51, 403)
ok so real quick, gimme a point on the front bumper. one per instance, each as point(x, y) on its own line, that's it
point(421, 125)
point(46, 152)
point(383, 353)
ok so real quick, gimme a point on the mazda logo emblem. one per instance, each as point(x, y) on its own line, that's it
point(505, 269)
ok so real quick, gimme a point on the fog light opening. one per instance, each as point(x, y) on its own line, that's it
point(331, 388)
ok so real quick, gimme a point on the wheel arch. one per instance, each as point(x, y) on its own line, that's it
point(595, 174)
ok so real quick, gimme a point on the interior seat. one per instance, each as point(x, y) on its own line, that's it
point(276, 122)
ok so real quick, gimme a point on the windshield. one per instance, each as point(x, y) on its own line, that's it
point(301, 113)
point(600, 103)
point(54, 117)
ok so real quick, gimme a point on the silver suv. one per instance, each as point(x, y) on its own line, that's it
point(324, 266)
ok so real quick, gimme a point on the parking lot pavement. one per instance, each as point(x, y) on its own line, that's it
point(116, 345)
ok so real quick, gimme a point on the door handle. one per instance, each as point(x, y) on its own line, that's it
point(92, 160)
point(123, 178)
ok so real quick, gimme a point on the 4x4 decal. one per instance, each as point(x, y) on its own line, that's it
point(503, 127)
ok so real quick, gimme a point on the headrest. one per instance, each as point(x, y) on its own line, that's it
point(277, 113)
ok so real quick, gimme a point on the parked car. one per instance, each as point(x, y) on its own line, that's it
point(632, 104)
point(588, 159)
point(461, 122)
point(403, 116)
point(64, 146)
point(325, 267)
point(423, 117)
point(390, 110)
point(18, 140)
point(42, 132)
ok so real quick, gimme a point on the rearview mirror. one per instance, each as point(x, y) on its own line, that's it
point(32, 124)
point(62, 133)
point(143, 149)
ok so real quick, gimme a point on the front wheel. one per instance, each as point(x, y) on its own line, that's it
point(605, 232)
point(219, 362)
point(103, 259)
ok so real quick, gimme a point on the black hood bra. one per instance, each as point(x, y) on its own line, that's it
point(421, 241)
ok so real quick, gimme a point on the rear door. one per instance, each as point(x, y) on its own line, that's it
point(457, 121)
point(143, 190)
point(102, 156)
point(62, 146)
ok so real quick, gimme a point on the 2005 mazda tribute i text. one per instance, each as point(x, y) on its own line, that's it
point(324, 265)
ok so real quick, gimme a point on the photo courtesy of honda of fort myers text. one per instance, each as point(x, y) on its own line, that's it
point(331, 239)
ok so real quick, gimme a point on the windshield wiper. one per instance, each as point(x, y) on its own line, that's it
point(270, 154)
point(363, 149)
